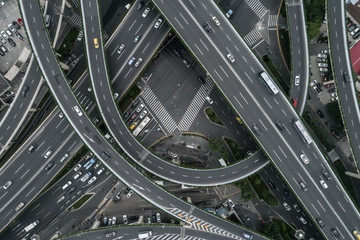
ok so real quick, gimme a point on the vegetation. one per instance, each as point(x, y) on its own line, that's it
point(129, 97)
point(235, 149)
point(68, 43)
point(315, 13)
point(345, 178)
point(247, 193)
point(319, 132)
point(334, 111)
point(276, 74)
point(262, 190)
point(276, 227)
point(212, 116)
point(285, 46)
point(80, 202)
point(216, 145)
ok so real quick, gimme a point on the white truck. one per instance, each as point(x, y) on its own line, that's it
point(144, 234)
point(31, 226)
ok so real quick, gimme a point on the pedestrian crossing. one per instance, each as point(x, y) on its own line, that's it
point(252, 37)
point(76, 20)
point(159, 110)
point(171, 236)
point(257, 7)
point(196, 223)
point(195, 106)
point(76, 3)
point(273, 19)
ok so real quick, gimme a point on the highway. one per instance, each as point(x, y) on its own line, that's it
point(125, 138)
point(95, 141)
point(239, 82)
point(340, 59)
point(19, 108)
point(299, 52)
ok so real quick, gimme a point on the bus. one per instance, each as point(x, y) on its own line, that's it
point(299, 126)
point(141, 126)
point(268, 83)
point(89, 163)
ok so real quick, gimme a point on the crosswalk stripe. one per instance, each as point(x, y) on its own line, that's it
point(273, 19)
point(76, 3)
point(252, 37)
point(76, 20)
point(257, 7)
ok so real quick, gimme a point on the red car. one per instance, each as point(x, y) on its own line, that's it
point(329, 85)
point(294, 102)
point(20, 22)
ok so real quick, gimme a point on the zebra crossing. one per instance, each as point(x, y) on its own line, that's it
point(252, 37)
point(195, 106)
point(196, 223)
point(273, 19)
point(171, 236)
point(76, 20)
point(257, 7)
point(76, 3)
point(159, 110)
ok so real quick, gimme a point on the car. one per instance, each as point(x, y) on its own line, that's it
point(335, 134)
point(286, 192)
point(303, 186)
point(19, 36)
point(280, 125)
point(102, 169)
point(78, 111)
point(286, 206)
point(321, 60)
point(302, 220)
point(294, 102)
point(323, 184)
point(60, 199)
point(20, 22)
point(231, 203)
point(322, 55)
point(92, 180)
point(330, 85)
point(324, 74)
point(97, 165)
point(322, 65)
point(356, 234)
point(140, 107)
point(85, 177)
point(132, 117)
point(271, 184)
point(49, 166)
point(216, 21)
point(47, 20)
point(66, 155)
point(230, 57)
point(138, 62)
point(20, 206)
point(256, 130)
point(110, 234)
point(357, 35)
point(313, 83)
point(48, 153)
point(325, 51)
point(296, 207)
point(5, 36)
point(125, 219)
point(323, 69)
point(140, 5)
point(7, 184)
point(229, 13)
point(304, 158)
point(126, 191)
point(3, 40)
point(146, 12)
point(320, 222)
point(8, 32)
point(320, 113)
point(96, 42)
point(207, 27)
point(106, 156)
point(331, 90)
point(61, 115)
point(333, 94)
point(186, 63)
point(346, 77)
point(137, 38)
point(71, 189)
point(131, 61)
point(66, 185)
point(130, 193)
point(121, 49)
point(158, 23)
point(297, 80)
point(105, 221)
point(12, 28)
point(209, 100)
point(158, 217)
point(247, 235)
point(354, 31)
point(352, 27)
point(317, 90)
point(334, 99)
point(16, 25)
point(335, 232)
point(80, 36)
point(24, 91)
point(77, 175)
point(143, 114)
point(12, 43)
point(77, 168)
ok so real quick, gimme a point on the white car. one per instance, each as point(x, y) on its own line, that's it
point(322, 55)
point(131, 61)
point(302, 220)
point(77, 175)
point(84, 178)
point(216, 21)
point(4, 35)
point(230, 57)
point(143, 114)
point(304, 159)
point(323, 69)
point(297, 80)
point(322, 65)
point(138, 62)
point(323, 184)
point(60, 199)
point(20, 206)
point(47, 154)
point(78, 111)
point(146, 12)
point(92, 180)
point(334, 99)
point(333, 94)
point(7, 184)
point(77, 167)
point(80, 36)
point(61, 115)
point(130, 193)
point(158, 23)
point(209, 100)
point(139, 108)
point(121, 49)
point(286, 206)
point(313, 83)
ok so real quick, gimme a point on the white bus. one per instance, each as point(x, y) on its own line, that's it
point(268, 83)
point(141, 126)
point(299, 126)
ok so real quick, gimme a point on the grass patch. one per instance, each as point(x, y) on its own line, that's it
point(80, 202)
point(319, 132)
point(68, 43)
point(129, 97)
point(285, 45)
point(262, 190)
point(276, 227)
point(314, 13)
point(345, 178)
point(212, 116)
point(235, 149)
point(276, 74)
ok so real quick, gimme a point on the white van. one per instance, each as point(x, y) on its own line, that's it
point(47, 20)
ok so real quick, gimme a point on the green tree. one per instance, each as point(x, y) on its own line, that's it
point(334, 111)
point(215, 144)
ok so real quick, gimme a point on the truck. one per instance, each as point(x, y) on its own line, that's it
point(144, 234)
point(31, 226)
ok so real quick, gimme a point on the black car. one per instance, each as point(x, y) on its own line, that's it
point(106, 156)
point(126, 191)
point(201, 79)
point(320, 222)
point(71, 189)
point(24, 91)
point(325, 174)
point(331, 90)
point(335, 232)
point(320, 113)
point(127, 114)
point(16, 25)
point(286, 192)
point(356, 35)
point(207, 27)
point(280, 125)
point(137, 38)
point(140, 5)
point(19, 36)
point(12, 43)
point(345, 75)
point(2, 53)
point(49, 166)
